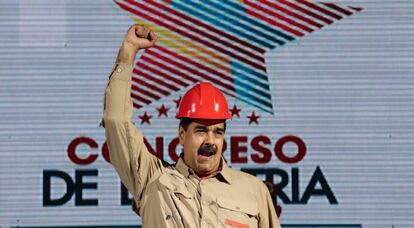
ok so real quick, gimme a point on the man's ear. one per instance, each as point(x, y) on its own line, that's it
point(181, 135)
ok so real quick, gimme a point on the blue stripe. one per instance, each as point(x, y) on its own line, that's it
point(249, 97)
point(254, 23)
point(261, 107)
point(248, 87)
point(236, 5)
point(320, 226)
point(217, 23)
point(239, 76)
point(236, 65)
point(223, 16)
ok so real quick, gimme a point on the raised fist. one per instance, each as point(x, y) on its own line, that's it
point(140, 36)
point(137, 37)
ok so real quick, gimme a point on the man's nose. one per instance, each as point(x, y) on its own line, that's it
point(209, 137)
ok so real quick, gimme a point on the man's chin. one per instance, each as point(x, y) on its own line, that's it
point(206, 165)
point(204, 169)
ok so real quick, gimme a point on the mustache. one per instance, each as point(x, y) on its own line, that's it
point(207, 148)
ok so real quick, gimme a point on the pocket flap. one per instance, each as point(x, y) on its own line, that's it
point(175, 185)
point(247, 207)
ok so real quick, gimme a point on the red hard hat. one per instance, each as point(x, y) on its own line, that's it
point(203, 101)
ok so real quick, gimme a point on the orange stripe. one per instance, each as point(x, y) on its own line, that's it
point(173, 41)
point(235, 224)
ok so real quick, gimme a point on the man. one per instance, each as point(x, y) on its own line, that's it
point(200, 190)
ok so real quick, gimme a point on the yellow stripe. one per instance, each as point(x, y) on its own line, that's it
point(175, 42)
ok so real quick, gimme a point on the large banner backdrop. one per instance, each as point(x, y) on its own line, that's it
point(321, 94)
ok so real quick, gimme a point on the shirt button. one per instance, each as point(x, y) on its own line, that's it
point(119, 70)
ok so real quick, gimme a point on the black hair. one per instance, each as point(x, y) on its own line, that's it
point(185, 122)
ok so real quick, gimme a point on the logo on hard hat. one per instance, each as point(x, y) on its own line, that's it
point(223, 43)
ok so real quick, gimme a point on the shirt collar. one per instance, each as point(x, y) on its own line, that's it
point(225, 171)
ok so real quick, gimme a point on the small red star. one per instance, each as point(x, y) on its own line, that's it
point(253, 118)
point(235, 111)
point(145, 118)
point(177, 102)
point(163, 111)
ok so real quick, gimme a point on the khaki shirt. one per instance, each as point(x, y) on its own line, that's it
point(172, 195)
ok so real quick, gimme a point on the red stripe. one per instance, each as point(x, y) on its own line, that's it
point(137, 106)
point(291, 13)
point(197, 65)
point(141, 82)
point(276, 15)
point(156, 80)
point(337, 8)
point(273, 22)
point(219, 33)
point(192, 69)
point(142, 65)
point(310, 13)
point(180, 31)
point(320, 9)
point(356, 8)
point(145, 92)
point(138, 97)
point(168, 68)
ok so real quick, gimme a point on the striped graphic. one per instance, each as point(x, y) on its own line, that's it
point(220, 42)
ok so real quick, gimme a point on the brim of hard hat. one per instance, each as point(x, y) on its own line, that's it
point(207, 117)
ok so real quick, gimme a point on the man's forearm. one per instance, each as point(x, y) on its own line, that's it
point(126, 54)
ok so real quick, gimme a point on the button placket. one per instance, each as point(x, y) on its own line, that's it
point(203, 205)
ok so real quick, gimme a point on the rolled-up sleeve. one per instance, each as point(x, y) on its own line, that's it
point(128, 153)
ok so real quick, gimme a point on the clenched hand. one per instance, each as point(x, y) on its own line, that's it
point(137, 37)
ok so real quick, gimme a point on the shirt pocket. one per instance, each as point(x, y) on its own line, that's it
point(178, 200)
point(176, 186)
point(237, 213)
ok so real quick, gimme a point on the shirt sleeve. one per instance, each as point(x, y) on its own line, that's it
point(267, 215)
point(128, 153)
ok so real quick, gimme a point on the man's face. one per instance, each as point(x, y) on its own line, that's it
point(203, 143)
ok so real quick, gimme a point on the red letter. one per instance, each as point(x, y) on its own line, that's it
point(105, 152)
point(267, 155)
point(296, 140)
point(171, 149)
point(72, 151)
point(236, 149)
point(159, 141)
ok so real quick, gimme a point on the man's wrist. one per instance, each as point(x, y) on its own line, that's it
point(127, 54)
